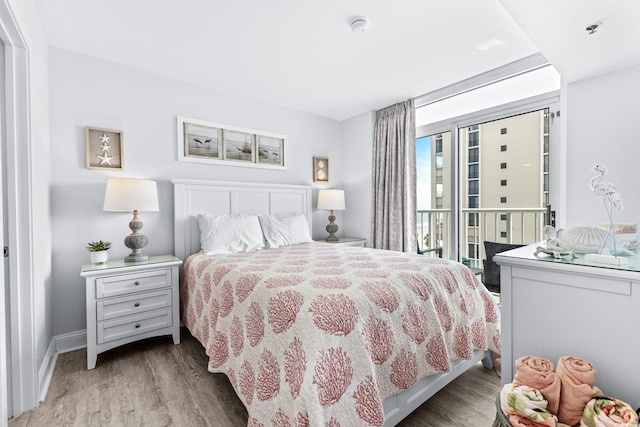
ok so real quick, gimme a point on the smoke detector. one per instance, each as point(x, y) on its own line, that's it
point(359, 24)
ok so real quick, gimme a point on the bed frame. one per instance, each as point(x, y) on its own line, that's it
point(192, 197)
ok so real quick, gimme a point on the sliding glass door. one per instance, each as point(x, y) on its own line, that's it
point(484, 177)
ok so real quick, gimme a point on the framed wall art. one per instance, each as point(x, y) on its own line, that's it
point(104, 149)
point(320, 169)
point(201, 141)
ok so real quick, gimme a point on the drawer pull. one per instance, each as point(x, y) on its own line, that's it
point(136, 304)
point(137, 325)
point(136, 283)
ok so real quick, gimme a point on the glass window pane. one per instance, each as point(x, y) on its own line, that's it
point(473, 155)
point(473, 171)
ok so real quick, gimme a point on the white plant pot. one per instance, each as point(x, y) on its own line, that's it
point(99, 257)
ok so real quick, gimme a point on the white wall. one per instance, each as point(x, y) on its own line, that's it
point(357, 134)
point(85, 91)
point(602, 124)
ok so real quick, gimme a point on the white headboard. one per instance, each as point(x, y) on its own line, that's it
point(192, 197)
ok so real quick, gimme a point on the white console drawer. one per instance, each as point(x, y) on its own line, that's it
point(112, 330)
point(123, 284)
point(111, 308)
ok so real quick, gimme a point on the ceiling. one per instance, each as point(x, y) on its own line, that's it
point(304, 56)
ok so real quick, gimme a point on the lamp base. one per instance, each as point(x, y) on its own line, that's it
point(136, 257)
point(332, 228)
point(136, 241)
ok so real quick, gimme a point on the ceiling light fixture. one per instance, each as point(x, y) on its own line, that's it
point(359, 24)
point(591, 29)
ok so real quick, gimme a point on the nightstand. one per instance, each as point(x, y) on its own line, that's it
point(348, 241)
point(130, 301)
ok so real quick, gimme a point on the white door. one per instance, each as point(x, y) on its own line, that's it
point(5, 331)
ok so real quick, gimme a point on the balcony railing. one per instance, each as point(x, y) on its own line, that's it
point(507, 225)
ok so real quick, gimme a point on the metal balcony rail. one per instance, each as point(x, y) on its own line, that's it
point(506, 225)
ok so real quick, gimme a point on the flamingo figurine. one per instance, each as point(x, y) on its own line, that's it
point(610, 197)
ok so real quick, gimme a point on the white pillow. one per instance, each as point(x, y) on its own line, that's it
point(230, 233)
point(285, 229)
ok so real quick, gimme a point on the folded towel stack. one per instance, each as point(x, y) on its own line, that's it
point(566, 396)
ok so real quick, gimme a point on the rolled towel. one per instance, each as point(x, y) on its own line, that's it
point(523, 404)
point(608, 412)
point(537, 372)
point(578, 378)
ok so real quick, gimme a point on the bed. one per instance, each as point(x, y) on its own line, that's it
point(322, 334)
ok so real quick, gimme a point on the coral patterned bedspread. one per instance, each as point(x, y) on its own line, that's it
point(320, 334)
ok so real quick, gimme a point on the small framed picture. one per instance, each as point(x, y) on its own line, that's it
point(320, 169)
point(270, 150)
point(238, 146)
point(104, 149)
point(202, 141)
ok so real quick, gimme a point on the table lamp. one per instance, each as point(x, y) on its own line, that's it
point(137, 195)
point(331, 200)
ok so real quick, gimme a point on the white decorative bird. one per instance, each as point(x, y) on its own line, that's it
point(610, 197)
point(606, 190)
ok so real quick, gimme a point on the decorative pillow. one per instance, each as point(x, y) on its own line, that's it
point(230, 233)
point(285, 229)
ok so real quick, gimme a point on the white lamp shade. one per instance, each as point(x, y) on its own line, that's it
point(129, 194)
point(331, 200)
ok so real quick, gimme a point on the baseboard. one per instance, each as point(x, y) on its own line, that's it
point(59, 344)
point(71, 341)
point(45, 373)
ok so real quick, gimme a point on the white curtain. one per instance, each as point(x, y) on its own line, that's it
point(394, 178)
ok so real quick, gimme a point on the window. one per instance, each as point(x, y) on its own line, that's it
point(471, 251)
point(503, 217)
point(474, 139)
point(503, 199)
point(439, 190)
point(439, 161)
point(503, 234)
point(473, 186)
point(473, 219)
point(503, 182)
point(466, 124)
point(503, 148)
point(503, 165)
point(438, 145)
point(473, 171)
point(473, 155)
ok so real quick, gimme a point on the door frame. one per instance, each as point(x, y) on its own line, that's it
point(16, 126)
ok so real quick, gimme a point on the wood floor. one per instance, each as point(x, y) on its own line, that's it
point(154, 383)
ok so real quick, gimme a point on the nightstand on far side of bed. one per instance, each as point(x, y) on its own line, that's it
point(130, 301)
point(348, 241)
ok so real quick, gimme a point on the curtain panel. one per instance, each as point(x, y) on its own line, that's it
point(394, 178)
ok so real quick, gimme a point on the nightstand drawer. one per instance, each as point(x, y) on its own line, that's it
point(132, 304)
point(127, 283)
point(133, 325)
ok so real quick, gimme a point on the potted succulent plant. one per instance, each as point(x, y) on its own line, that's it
point(98, 251)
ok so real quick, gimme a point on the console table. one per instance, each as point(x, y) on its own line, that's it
point(571, 307)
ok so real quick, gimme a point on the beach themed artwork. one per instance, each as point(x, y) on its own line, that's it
point(270, 150)
point(104, 149)
point(238, 146)
point(201, 141)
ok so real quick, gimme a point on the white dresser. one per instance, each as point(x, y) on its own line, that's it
point(127, 302)
point(553, 308)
